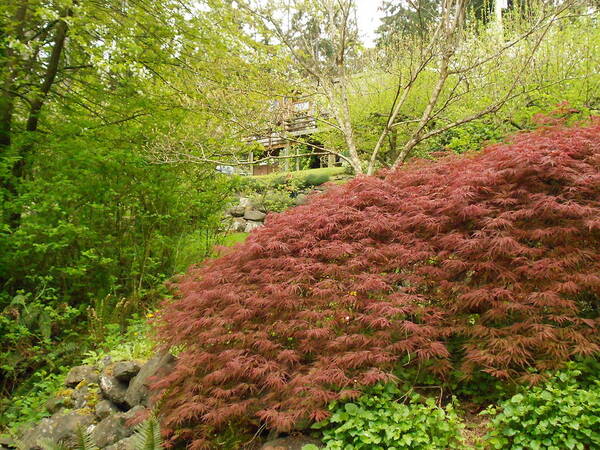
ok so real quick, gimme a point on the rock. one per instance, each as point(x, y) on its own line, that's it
point(252, 226)
point(123, 444)
point(126, 370)
point(114, 390)
point(111, 429)
point(105, 408)
point(81, 396)
point(58, 428)
point(238, 224)
point(237, 211)
point(137, 393)
point(55, 404)
point(76, 375)
point(301, 199)
point(252, 214)
point(291, 443)
point(245, 202)
point(106, 361)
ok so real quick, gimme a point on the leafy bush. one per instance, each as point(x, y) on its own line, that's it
point(277, 201)
point(316, 179)
point(28, 405)
point(469, 136)
point(28, 328)
point(488, 263)
point(564, 413)
point(134, 342)
point(98, 222)
point(380, 420)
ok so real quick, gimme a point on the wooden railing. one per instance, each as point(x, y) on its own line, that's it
point(297, 126)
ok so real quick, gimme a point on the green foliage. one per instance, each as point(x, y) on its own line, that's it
point(276, 201)
point(147, 435)
point(231, 239)
point(469, 137)
point(28, 328)
point(276, 192)
point(563, 413)
point(104, 228)
point(316, 179)
point(83, 440)
point(27, 405)
point(133, 342)
point(292, 179)
point(385, 418)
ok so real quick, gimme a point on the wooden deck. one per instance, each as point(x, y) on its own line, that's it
point(289, 130)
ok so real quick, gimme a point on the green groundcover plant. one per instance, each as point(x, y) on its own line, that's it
point(564, 413)
point(386, 418)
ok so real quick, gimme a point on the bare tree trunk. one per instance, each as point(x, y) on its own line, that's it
point(341, 106)
point(426, 116)
point(452, 22)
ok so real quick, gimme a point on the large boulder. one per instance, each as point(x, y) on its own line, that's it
point(105, 408)
point(254, 215)
point(238, 224)
point(250, 225)
point(112, 429)
point(61, 427)
point(114, 390)
point(76, 375)
point(126, 370)
point(55, 404)
point(137, 393)
point(245, 202)
point(237, 211)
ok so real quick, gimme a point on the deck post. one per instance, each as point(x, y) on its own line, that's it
point(286, 161)
point(250, 160)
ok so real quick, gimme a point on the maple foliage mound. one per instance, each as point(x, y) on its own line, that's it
point(487, 263)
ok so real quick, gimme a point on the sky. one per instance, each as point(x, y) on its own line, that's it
point(368, 19)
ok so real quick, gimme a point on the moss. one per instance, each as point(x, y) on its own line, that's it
point(65, 393)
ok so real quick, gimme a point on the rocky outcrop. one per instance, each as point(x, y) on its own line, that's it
point(61, 427)
point(137, 392)
point(245, 216)
point(126, 370)
point(79, 374)
point(99, 400)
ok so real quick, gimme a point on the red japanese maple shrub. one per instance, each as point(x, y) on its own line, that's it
point(486, 263)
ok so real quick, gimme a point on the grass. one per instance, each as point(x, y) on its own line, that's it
point(234, 238)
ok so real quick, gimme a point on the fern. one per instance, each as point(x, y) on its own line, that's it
point(147, 435)
point(83, 440)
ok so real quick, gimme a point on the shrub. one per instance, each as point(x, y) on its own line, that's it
point(316, 179)
point(563, 413)
point(489, 263)
point(380, 421)
point(277, 201)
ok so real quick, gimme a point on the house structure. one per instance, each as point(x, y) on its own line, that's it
point(294, 121)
